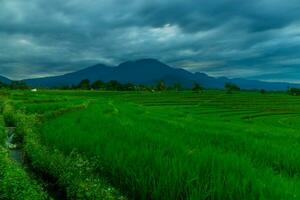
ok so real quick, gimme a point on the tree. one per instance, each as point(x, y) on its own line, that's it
point(114, 85)
point(231, 87)
point(262, 91)
point(19, 85)
point(3, 85)
point(294, 91)
point(177, 86)
point(161, 86)
point(197, 88)
point(129, 87)
point(97, 85)
point(84, 84)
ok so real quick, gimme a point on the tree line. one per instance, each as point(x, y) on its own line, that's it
point(15, 85)
point(115, 85)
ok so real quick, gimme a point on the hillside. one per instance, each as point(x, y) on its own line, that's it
point(148, 72)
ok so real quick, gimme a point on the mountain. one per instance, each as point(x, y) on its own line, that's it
point(145, 71)
point(4, 80)
point(96, 72)
point(149, 72)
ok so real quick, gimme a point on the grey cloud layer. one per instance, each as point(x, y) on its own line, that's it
point(254, 39)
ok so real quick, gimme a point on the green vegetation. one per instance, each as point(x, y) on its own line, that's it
point(197, 88)
point(164, 145)
point(231, 87)
point(73, 173)
point(294, 91)
point(15, 183)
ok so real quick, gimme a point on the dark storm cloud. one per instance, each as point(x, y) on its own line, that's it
point(255, 39)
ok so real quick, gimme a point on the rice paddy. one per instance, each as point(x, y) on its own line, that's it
point(168, 145)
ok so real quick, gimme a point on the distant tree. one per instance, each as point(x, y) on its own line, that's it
point(129, 87)
point(231, 87)
point(84, 84)
point(161, 86)
point(97, 85)
point(294, 91)
point(114, 85)
point(177, 87)
point(262, 91)
point(64, 87)
point(197, 88)
point(18, 85)
point(144, 88)
point(3, 85)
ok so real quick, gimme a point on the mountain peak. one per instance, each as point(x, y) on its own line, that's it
point(145, 62)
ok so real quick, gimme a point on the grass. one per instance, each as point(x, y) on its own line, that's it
point(73, 174)
point(169, 145)
point(187, 146)
point(15, 183)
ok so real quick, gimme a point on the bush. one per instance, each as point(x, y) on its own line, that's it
point(197, 88)
point(231, 87)
point(294, 91)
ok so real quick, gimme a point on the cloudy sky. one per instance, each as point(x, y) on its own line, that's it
point(257, 39)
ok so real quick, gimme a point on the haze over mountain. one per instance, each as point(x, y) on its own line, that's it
point(149, 72)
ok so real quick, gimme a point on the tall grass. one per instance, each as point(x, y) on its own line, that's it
point(165, 153)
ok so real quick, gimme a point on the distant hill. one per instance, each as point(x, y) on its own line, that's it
point(148, 72)
point(5, 80)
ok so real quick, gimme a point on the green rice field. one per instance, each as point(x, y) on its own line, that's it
point(158, 146)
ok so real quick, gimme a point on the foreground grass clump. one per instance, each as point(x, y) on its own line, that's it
point(148, 154)
point(73, 173)
point(15, 183)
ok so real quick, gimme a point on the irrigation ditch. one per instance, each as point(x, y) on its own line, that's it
point(18, 155)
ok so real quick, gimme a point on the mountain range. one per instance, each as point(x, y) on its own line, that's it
point(5, 80)
point(149, 72)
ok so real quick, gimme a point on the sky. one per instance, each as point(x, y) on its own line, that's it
point(257, 39)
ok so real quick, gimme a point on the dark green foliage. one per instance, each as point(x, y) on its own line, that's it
point(160, 86)
point(197, 88)
point(98, 85)
point(9, 115)
point(294, 91)
point(84, 84)
point(114, 85)
point(231, 87)
point(19, 85)
point(262, 91)
point(3, 85)
point(177, 87)
point(128, 87)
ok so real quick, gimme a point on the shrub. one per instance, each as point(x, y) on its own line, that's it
point(197, 88)
point(294, 91)
point(231, 87)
